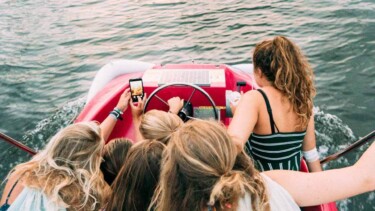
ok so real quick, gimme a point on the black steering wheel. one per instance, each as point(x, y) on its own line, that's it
point(195, 87)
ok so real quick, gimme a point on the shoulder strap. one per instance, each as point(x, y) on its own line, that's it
point(10, 192)
point(269, 110)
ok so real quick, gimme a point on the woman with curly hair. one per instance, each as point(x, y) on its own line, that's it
point(63, 176)
point(276, 123)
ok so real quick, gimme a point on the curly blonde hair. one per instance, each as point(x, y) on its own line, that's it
point(68, 169)
point(284, 65)
point(201, 167)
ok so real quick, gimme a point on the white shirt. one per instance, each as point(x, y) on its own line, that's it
point(35, 200)
point(279, 198)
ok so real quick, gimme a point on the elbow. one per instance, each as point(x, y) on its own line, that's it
point(369, 182)
point(239, 143)
point(366, 177)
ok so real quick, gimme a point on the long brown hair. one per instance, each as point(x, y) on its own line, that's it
point(68, 169)
point(134, 186)
point(284, 65)
point(114, 157)
point(201, 167)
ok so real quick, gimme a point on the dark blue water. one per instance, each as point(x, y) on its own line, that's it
point(50, 51)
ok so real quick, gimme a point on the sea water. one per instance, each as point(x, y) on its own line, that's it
point(50, 51)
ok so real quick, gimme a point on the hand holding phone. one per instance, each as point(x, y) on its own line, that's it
point(136, 89)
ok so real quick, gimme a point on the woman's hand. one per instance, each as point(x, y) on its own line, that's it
point(234, 99)
point(137, 108)
point(175, 104)
point(123, 103)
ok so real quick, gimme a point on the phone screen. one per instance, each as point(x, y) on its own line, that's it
point(136, 88)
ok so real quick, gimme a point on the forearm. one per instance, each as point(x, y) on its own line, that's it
point(314, 166)
point(107, 126)
point(138, 134)
point(310, 189)
point(238, 142)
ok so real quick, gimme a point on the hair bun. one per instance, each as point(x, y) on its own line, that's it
point(229, 185)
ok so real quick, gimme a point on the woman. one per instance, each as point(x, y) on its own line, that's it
point(134, 186)
point(276, 122)
point(114, 157)
point(156, 124)
point(159, 125)
point(63, 176)
point(202, 170)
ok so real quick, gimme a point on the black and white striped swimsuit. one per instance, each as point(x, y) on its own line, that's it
point(277, 150)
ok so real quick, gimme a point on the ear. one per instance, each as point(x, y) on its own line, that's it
point(259, 72)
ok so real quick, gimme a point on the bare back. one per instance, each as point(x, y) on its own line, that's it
point(285, 119)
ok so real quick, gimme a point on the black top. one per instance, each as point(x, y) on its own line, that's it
point(277, 150)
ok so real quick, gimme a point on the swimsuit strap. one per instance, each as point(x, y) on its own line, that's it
point(269, 110)
point(10, 192)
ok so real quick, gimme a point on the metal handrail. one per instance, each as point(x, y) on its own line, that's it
point(17, 144)
point(355, 145)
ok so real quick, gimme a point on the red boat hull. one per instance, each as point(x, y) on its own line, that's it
point(106, 99)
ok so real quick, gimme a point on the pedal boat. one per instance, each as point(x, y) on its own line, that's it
point(207, 87)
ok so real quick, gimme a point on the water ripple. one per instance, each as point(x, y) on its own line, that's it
point(50, 51)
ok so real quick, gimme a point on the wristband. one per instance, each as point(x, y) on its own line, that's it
point(118, 110)
point(113, 115)
point(116, 114)
point(311, 155)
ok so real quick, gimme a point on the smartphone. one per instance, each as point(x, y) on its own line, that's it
point(136, 88)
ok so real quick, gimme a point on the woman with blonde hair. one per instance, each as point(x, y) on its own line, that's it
point(159, 125)
point(202, 170)
point(276, 123)
point(155, 124)
point(63, 176)
point(197, 172)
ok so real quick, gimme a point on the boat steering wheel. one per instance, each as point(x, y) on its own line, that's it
point(195, 87)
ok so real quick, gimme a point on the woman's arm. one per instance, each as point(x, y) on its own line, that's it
point(109, 123)
point(244, 119)
point(309, 189)
point(175, 104)
point(309, 145)
point(137, 111)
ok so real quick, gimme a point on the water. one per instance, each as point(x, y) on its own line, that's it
point(50, 51)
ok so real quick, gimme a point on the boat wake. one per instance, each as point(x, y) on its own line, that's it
point(39, 136)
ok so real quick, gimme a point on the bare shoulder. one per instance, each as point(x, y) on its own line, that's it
point(252, 96)
point(12, 180)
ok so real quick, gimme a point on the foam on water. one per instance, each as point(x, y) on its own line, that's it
point(38, 137)
point(46, 128)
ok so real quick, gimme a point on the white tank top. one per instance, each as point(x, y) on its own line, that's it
point(33, 199)
point(279, 198)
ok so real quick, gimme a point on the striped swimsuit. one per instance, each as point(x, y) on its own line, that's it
point(277, 150)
